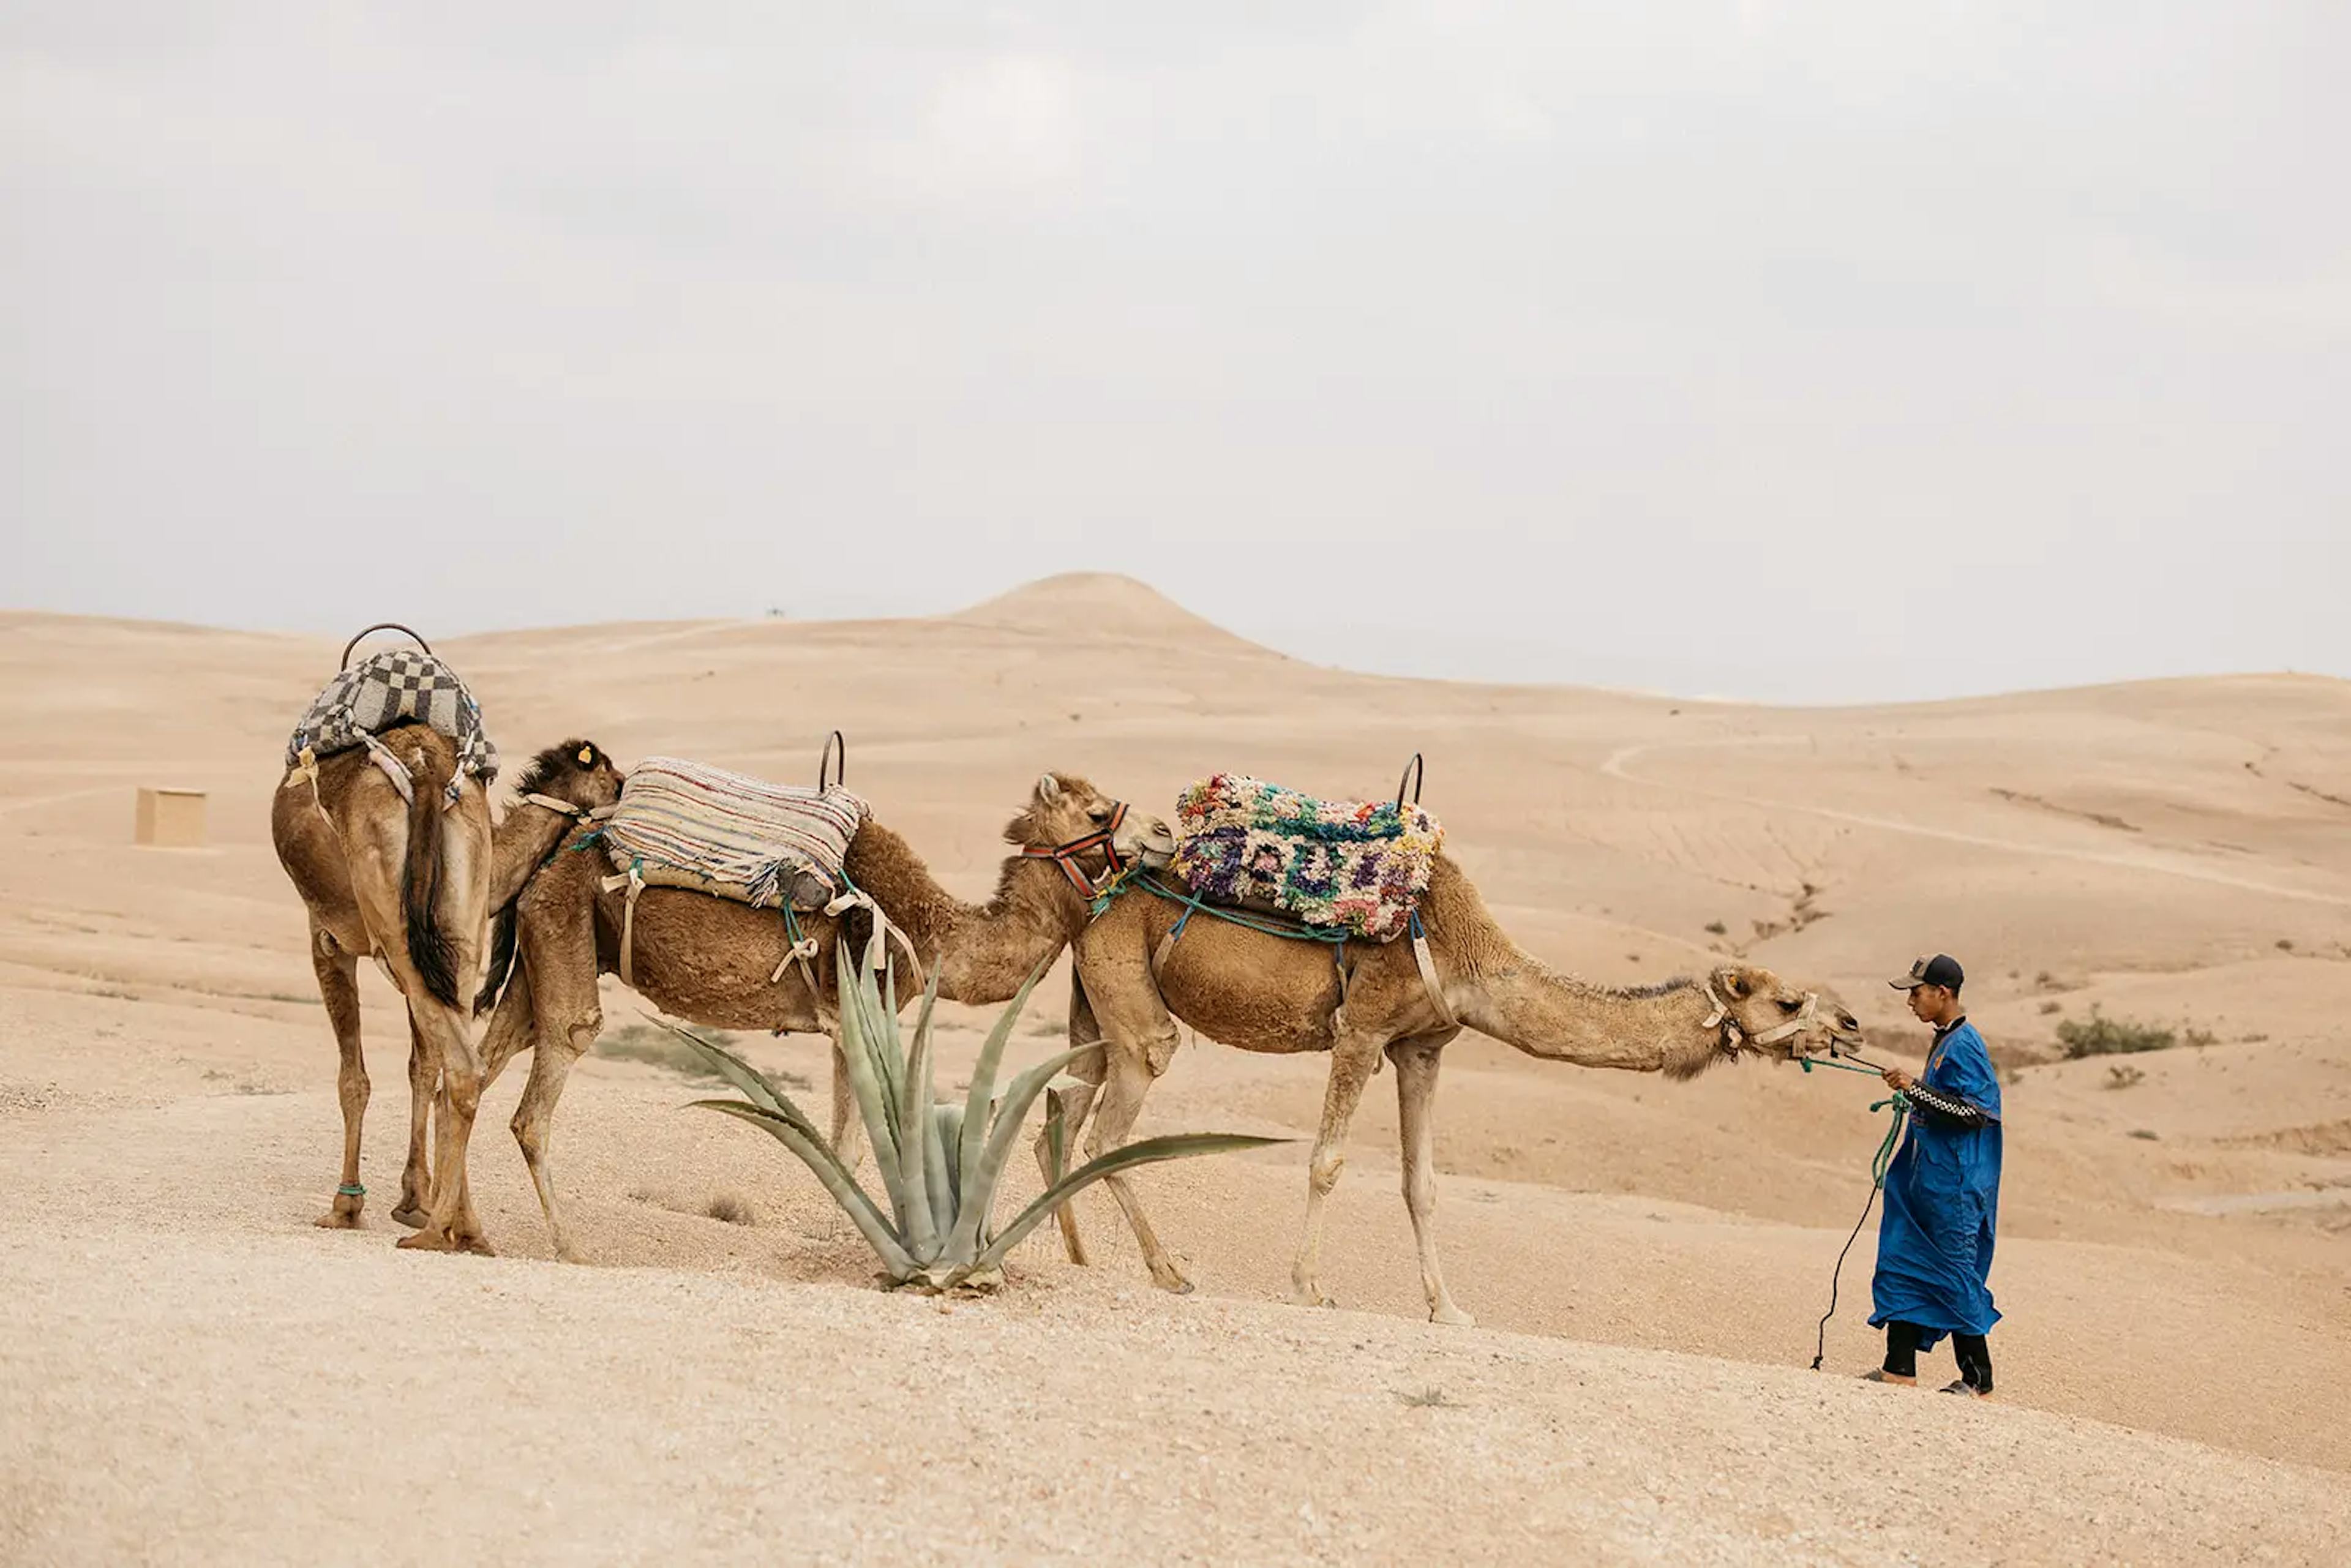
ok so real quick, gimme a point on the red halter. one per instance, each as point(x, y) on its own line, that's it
point(1104, 838)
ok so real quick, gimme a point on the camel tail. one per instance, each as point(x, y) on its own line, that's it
point(428, 944)
point(501, 965)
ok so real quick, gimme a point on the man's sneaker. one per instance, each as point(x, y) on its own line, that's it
point(1961, 1386)
point(1879, 1374)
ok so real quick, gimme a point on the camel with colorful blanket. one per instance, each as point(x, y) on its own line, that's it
point(1321, 980)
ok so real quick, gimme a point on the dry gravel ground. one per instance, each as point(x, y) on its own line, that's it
point(308, 1399)
point(190, 1372)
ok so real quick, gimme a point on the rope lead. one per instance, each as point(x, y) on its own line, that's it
point(1877, 1169)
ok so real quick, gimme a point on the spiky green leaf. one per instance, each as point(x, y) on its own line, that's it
point(983, 1080)
point(915, 1135)
point(1127, 1156)
point(980, 1178)
point(870, 1221)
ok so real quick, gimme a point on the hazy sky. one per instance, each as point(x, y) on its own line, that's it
point(1803, 351)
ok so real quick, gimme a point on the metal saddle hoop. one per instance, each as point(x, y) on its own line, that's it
point(382, 626)
point(832, 763)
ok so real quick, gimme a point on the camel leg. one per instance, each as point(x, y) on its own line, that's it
point(550, 1069)
point(1415, 1063)
point(1088, 1069)
point(338, 988)
point(511, 1022)
point(558, 1012)
point(1126, 1082)
point(847, 1121)
point(1352, 1061)
point(417, 1172)
point(452, 1225)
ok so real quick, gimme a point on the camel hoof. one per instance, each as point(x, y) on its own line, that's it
point(426, 1241)
point(338, 1218)
point(479, 1246)
point(410, 1215)
point(1453, 1317)
point(1310, 1297)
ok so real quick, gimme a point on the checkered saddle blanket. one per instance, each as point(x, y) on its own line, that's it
point(399, 685)
point(686, 824)
point(1358, 864)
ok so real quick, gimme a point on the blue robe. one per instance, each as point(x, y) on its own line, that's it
point(1942, 1206)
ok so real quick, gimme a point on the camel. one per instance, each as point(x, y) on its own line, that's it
point(1268, 993)
point(722, 963)
point(409, 884)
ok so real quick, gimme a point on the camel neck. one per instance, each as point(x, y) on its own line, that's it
point(520, 845)
point(982, 952)
point(1656, 1029)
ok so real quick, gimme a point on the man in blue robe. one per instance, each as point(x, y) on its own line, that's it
point(1942, 1194)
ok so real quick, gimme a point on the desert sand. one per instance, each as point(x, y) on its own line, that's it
point(190, 1372)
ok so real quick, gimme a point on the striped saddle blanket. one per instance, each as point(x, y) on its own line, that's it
point(399, 685)
point(1361, 865)
point(684, 824)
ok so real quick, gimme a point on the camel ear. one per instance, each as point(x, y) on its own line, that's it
point(1048, 788)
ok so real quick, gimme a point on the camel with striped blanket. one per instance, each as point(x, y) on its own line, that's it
point(726, 965)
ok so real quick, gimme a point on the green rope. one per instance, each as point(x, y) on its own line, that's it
point(351, 1189)
point(1809, 1062)
point(1877, 1169)
point(1242, 918)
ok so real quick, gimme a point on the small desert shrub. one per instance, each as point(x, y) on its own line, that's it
point(730, 1207)
point(2048, 1007)
point(2123, 1076)
point(940, 1162)
point(1428, 1399)
point(1717, 928)
point(2099, 1035)
point(2199, 1037)
point(2285, 944)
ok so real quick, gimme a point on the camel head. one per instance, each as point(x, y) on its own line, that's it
point(1069, 821)
point(579, 771)
point(1764, 1015)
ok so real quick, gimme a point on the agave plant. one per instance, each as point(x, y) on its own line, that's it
point(940, 1160)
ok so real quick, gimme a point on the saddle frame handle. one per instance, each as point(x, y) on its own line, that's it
point(380, 626)
point(836, 745)
point(1414, 771)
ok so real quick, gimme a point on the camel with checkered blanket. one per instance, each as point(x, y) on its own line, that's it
point(1266, 992)
point(723, 964)
point(407, 883)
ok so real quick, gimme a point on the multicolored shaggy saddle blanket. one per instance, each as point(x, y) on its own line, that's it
point(686, 824)
point(399, 685)
point(1361, 865)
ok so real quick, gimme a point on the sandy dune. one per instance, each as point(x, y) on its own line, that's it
point(189, 1372)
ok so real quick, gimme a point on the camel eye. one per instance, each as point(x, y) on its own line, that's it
point(1098, 817)
point(1789, 1005)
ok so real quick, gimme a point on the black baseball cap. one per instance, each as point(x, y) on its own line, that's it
point(1942, 970)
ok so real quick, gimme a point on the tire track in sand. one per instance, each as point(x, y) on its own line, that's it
point(1615, 767)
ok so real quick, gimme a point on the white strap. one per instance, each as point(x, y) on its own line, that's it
point(392, 767)
point(1428, 965)
point(633, 879)
point(876, 945)
point(566, 808)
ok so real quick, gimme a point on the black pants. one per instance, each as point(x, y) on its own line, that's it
point(1973, 1355)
